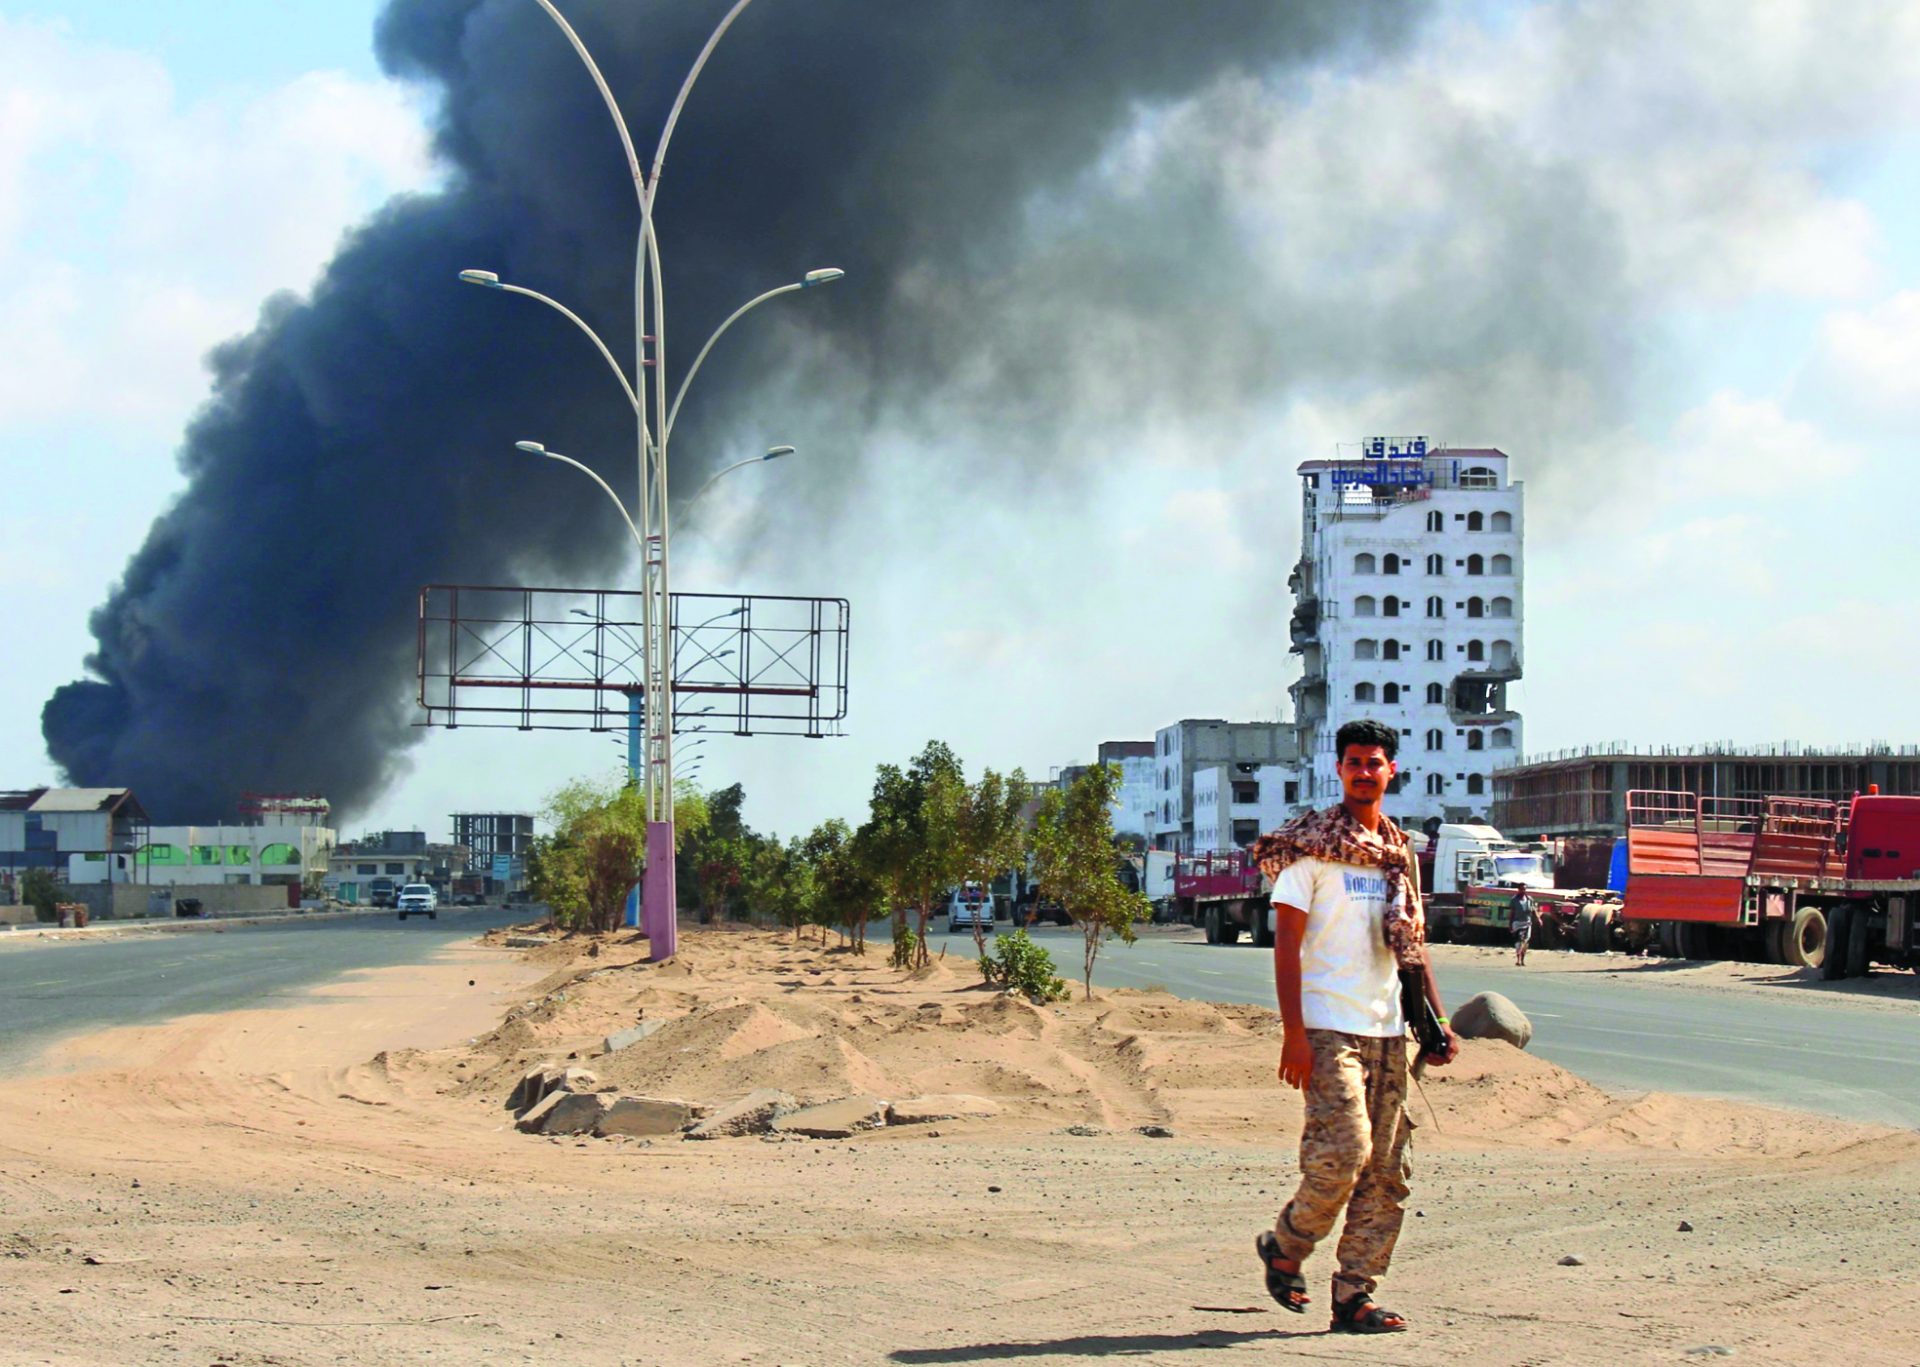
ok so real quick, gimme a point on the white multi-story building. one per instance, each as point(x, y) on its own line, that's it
point(1234, 804)
point(1408, 600)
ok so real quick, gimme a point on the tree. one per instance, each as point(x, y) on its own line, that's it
point(39, 890)
point(1076, 863)
point(916, 842)
point(993, 838)
point(555, 876)
point(850, 889)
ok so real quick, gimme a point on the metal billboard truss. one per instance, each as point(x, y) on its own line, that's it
point(570, 660)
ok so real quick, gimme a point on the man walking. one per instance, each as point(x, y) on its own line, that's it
point(1347, 919)
point(1520, 922)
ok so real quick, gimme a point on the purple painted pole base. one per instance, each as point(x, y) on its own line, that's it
point(658, 902)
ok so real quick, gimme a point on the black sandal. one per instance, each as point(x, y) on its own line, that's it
point(1359, 1315)
point(1288, 1288)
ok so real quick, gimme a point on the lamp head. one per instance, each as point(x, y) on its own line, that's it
point(775, 452)
point(487, 278)
point(532, 448)
point(826, 275)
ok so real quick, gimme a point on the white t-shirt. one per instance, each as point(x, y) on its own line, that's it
point(1349, 980)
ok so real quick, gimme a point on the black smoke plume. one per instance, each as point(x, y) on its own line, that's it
point(358, 442)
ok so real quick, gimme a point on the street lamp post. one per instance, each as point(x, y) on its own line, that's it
point(654, 709)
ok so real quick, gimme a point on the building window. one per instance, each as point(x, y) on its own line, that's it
point(1436, 564)
point(1503, 522)
point(1479, 477)
point(1503, 654)
point(1476, 607)
point(280, 854)
point(1502, 564)
point(1363, 692)
point(1476, 784)
point(1476, 650)
point(1476, 522)
point(1366, 649)
point(1363, 563)
point(1436, 693)
point(1476, 741)
point(1435, 740)
point(1390, 693)
point(1436, 650)
point(1502, 738)
point(1390, 650)
point(1390, 607)
point(1390, 564)
point(1476, 564)
point(400, 869)
point(1363, 606)
point(1436, 608)
point(1436, 784)
point(1435, 522)
point(1500, 607)
point(366, 870)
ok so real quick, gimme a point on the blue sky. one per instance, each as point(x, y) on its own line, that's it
point(1706, 554)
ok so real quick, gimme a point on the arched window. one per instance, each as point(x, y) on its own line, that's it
point(1436, 650)
point(1476, 522)
point(1389, 564)
point(1476, 740)
point(206, 854)
point(1363, 606)
point(1479, 477)
point(1436, 693)
point(1436, 521)
point(1389, 607)
point(1366, 649)
point(1502, 738)
point(1500, 564)
point(1503, 522)
point(1436, 739)
point(1363, 563)
point(1500, 607)
point(1389, 650)
point(1476, 650)
point(1436, 564)
point(280, 854)
point(1363, 692)
point(1476, 607)
point(1476, 784)
point(1503, 654)
point(1476, 564)
point(1390, 693)
point(1436, 608)
point(1436, 784)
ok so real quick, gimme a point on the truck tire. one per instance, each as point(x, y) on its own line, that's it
point(1840, 931)
point(1774, 937)
point(1855, 948)
point(1807, 944)
point(1684, 939)
point(1229, 929)
point(1210, 922)
point(1262, 919)
point(1595, 926)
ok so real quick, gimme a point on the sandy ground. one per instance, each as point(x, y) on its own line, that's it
point(340, 1182)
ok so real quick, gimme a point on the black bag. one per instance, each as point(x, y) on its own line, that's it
point(1422, 1021)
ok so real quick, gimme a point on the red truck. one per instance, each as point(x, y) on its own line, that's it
point(1225, 894)
point(1797, 881)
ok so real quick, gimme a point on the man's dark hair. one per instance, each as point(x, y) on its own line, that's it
point(1366, 732)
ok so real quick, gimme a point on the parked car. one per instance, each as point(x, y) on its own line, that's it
point(970, 905)
point(416, 898)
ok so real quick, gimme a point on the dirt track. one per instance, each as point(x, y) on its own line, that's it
point(248, 1189)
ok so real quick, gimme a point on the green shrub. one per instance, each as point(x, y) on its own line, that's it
point(39, 890)
point(1024, 966)
point(909, 946)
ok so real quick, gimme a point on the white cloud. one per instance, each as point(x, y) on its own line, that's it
point(1873, 355)
point(140, 225)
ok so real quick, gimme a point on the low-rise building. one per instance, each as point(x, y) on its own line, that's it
point(48, 828)
point(272, 853)
point(1233, 804)
point(1184, 748)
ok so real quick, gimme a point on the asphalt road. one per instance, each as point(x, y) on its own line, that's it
point(1627, 1036)
point(51, 990)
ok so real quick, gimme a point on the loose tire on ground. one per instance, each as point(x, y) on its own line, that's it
point(1840, 931)
point(1855, 948)
point(1806, 941)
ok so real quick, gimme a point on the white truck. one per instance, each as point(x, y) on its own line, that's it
point(1472, 872)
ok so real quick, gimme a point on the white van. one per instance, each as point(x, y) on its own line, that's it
point(970, 905)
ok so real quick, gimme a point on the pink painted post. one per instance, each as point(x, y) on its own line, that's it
point(658, 901)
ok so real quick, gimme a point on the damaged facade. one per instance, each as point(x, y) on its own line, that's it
point(1408, 609)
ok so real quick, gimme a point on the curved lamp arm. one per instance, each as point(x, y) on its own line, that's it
point(534, 448)
point(825, 275)
point(493, 282)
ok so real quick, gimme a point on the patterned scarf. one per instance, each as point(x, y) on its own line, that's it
point(1335, 836)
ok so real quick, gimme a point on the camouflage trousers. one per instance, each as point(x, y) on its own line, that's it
point(1353, 1153)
